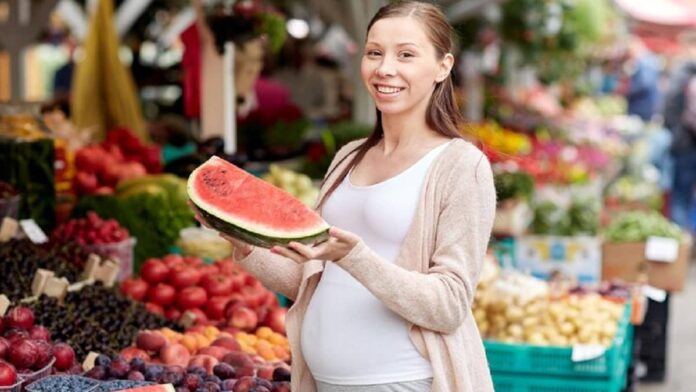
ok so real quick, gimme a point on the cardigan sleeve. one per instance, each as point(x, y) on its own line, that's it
point(276, 272)
point(440, 299)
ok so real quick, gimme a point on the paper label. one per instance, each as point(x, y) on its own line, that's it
point(4, 304)
point(88, 364)
point(586, 352)
point(662, 249)
point(655, 294)
point(33, 231)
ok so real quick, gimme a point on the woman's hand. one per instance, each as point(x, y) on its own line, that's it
point(339, 244)
point(240, 248)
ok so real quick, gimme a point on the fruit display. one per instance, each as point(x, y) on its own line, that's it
point(233, 372)
point(153, 208)
point(297, 184)
point(7, 191)
point(515, 308)
point(241, 205)
point(121, 156)
point(19, 260)
point(27, 351)
point(95, 319)
point(637, 226)
point(221, 293)
point(90, 230)
point(265, 346)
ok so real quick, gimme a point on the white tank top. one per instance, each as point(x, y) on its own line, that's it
point(349, 337)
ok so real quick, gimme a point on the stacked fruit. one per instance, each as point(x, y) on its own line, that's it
point(96, 319)
point(90, 230)
point(121, 156)
point(26, 348)
point(221, 294)
point(205, 376)
point(297, 184)
point(19, 260)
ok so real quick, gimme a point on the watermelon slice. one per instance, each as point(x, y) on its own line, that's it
point(152, 388)
point(245, 207)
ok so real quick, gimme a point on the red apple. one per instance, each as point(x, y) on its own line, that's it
point(23, 354)
point(8, 374)
point(227, 342)
point(265, 372)
point(214, 351)
point(65, 356)
point(154, 271)
point(162, 294)
point(134, 288)
point(215, 308)
point(129, 353)
point(39, 332)
point(4, 348)
point(20, 317)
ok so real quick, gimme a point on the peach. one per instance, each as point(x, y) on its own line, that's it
point(175, 354)
point(206, 361)
point(214, 351)
point(150, 340)
point(238, 359)
point(229, 343)
point(265, 372)
point(244, 384)
point(190, 342)
point(243, 318)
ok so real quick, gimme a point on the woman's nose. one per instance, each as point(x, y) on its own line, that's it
point(386, 67)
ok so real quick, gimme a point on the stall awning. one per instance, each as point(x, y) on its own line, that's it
point(663, 12)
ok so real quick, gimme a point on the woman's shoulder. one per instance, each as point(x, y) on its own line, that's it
point(462, 154)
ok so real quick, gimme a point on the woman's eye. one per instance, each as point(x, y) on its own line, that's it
point(406, 54)
point(372, 53)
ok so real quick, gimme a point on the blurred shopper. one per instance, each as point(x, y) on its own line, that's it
point(385, 303)
point(641, 86)
point(680, 119)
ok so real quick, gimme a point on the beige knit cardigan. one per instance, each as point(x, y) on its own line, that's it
point(431, 284)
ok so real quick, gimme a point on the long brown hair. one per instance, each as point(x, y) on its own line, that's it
point(442, 114)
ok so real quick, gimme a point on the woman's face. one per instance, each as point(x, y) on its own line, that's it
point(400, 65)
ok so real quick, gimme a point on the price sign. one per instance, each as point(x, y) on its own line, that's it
point(655, 294)
point(662, 249)
point(4, 304)
point(33, 231)
point(586, 352)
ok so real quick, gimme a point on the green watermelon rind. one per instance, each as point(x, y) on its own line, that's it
point(257, 239)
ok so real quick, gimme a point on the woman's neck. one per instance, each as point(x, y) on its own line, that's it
point(403, 131)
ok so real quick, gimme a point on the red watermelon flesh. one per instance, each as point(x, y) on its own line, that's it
point(241, 205)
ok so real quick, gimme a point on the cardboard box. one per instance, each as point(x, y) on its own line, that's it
point(626, 261)
point(578, 257)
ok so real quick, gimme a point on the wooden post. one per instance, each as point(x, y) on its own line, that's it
point(230, 135)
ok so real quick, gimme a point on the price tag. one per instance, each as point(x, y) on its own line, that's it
point(4, 304)
point(33, 231)
point(88, 364)
point(8, 229)
point(662, 249)
point(585, 352)
point(655, 294)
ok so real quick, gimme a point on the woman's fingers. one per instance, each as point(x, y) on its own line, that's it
point(303, 250)
point(289, 253)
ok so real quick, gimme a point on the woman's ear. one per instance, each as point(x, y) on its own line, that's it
point(446, 65)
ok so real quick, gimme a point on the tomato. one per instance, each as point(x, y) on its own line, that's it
point(207, 269)
point(154, 308)
point(134, 288)
point(192, 260)
point(161, 294)
point(172, 260)
point(154, 271)
point(182, 275)
point(215, 308)
point(217, 284)
point(191, 297)
point(253, 296)
point(201, 318)
point(227, 267)
point(238, 278)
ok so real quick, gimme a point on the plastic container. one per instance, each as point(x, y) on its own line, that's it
point(28, 378)
point(9, 207)
point(43, 385)
point(13, 388)
point(123, 251)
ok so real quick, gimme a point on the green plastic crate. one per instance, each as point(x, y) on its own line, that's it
point(523, 359)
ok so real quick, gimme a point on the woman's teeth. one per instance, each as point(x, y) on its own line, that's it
point(388, 90)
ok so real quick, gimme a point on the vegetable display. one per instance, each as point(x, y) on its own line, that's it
point(637, 226)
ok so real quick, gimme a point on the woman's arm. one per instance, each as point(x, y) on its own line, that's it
point(439, 299)
point(277, 273)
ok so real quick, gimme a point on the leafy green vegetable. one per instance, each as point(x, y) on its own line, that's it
point(637, 226)
point(154, 219)
point(510, 185)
